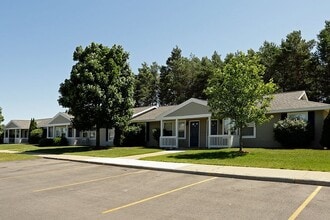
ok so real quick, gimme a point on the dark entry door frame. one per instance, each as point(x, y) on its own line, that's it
point(194, 133)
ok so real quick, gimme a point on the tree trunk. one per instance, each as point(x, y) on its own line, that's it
point(240, 139)
point(97, 145)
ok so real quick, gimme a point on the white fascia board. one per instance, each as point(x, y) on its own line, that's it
point(187, 117)
point(303, 95)
point(300, 109)
point(144, 111)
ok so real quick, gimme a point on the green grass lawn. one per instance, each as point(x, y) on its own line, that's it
point(18, 147)
point(297, 159)
point(11, 157)
point(79, 150)
point(118, 152)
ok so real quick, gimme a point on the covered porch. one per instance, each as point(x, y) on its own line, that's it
point(197, 133)
point(16, 136)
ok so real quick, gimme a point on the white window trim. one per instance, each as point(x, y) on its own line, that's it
point(184, 130)
point(253, 125)
point(172, 125)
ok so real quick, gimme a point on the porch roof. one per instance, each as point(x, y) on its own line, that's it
point(25, 124)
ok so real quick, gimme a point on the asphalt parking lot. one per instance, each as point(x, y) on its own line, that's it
point(54, 189)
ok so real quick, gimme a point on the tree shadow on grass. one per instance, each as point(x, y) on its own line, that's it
point(209, 155)
point(59, 150)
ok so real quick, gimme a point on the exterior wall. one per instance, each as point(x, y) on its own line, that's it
point(264, 135)
point(319, 119)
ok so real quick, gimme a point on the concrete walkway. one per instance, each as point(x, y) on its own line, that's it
point(263, 174)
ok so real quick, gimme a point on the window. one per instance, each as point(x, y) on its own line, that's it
point(70, 132)
point(182, 129)
point(50, 132)
point(77, 133)
point(111, 134)
point(92, 134)
point(214, 127)
point(298, 115)
point(60, 131)
point(168, 129)
point(24, 133)
point(249, 131)
point(85, 134)
point(228, 127)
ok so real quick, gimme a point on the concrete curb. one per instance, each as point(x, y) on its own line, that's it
point(185, 169)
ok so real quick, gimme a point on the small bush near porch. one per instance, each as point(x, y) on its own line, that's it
point(296, 159)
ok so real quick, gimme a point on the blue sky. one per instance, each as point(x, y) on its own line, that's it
point(38, 37)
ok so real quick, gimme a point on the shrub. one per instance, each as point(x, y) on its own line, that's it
point(134, 135)
point(35, 136)
point(46, 142)
point(60, 141)
point(325, 138)
point(292, 133)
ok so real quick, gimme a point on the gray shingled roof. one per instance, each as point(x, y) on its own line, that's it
point(22, 124)
point(42, 122)
point(25, 124)
point(152, 115)
point(294, 101)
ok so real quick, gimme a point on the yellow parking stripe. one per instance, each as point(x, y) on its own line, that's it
point(48, 171)
point(305, 203)
point(157, 196)
point(89, 181)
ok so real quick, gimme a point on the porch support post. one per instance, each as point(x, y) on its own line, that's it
point(161, 133)
point(161, 128)
point(176, 132)
point(66, 131)
point(209, 131)
point(47, 132)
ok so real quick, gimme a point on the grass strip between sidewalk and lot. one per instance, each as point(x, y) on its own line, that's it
point(295, 159)
point(79, 150)
point(13, 157)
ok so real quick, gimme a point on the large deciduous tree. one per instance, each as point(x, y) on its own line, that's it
point(99, 92)
point(147, 85)
point(237, 91)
